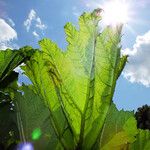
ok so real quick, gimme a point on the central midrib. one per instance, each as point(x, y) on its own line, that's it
point(88, 98)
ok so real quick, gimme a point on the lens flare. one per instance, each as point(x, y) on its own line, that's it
point(25, 146)
point(36, 134)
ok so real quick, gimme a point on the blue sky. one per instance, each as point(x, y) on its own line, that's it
point(25, 22)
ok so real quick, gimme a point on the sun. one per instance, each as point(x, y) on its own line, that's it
point(115, 12)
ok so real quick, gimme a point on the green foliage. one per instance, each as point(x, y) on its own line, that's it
point(8, 126)
point(32, 114)
point(9, 60)
point(69, 105)
point(142, 141)
point(82, 92)
point(119, 129)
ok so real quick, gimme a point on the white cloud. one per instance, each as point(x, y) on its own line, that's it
point(11, 22)
point(40, 25)
point(5, 45)
point(138, 68)
point(35, 20)
point(35, 34)
point(31, 17)
point(7, 35)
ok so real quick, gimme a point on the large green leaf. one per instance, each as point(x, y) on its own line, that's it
point(118, 131)
point(142, 141)
point(9, 84)
point(35, 122)
point(10, 59)
point(79, 82)
point(45, 88)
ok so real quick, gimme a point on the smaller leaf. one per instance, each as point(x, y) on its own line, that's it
point(118, 142)
point(119, 130)
point(142, 141)
point(10, 59)
point(130, 128)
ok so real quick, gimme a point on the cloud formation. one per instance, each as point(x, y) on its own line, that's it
point(39, 24)
point(33, 20)
point(28, 21)
point(11, 22)
point(7, 32)
point(35, 34)
point(138, 67)
point(7, 35)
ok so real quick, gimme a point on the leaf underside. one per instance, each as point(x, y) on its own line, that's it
point(80, 81)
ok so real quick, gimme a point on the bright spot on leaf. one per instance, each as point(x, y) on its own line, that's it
point(36, 134)
point(25, 146)
point(116, 12)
